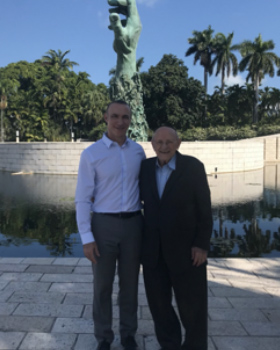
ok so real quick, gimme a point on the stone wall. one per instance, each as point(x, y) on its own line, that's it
point(63, 157)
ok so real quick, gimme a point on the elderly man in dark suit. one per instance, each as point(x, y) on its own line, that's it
point(178, 226)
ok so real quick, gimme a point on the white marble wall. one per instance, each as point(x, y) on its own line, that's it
point(63, 157)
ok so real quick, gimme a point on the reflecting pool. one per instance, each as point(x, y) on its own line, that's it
point(37, 215)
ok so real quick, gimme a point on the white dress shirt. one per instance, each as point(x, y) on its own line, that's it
point(109, 173)
point(163, 173)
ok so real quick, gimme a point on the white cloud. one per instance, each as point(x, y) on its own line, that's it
point(148, 3)
point(238, 80)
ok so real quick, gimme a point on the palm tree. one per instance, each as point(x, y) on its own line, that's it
point(202, 48)
point(224, 59)
point(258, 60)
point(58, 60)
point(54, 88)
point(270, 101)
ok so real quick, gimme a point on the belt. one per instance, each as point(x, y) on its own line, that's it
point(124, 215)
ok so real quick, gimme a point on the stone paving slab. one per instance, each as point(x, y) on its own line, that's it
point(23, 286)
point(10, 340)
point(272, 315)
point(17, 276)
point(65, 278)
point(255, 303)
point(72, 287)
point(37, 297)
point(38, 261)
point(48, 310)
point(225, 328)
point(246, 343)
point(13, 267)
point(37, 341)
point(26, 324)
point(7, 308)
point(261, 328)
point(238, 292)
point(46, 304)
point(73, 325)
point(238, 315)
point(50, 269)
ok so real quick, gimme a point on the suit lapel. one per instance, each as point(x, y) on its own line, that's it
point(173, 178)
point(153, 179)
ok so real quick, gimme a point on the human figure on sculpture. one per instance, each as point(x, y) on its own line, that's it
point(108, 188)
point(177, 230)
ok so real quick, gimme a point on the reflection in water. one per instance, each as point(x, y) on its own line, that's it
point(247, 222)
point(37, 215)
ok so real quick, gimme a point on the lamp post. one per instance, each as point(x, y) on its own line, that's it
point(3, 105)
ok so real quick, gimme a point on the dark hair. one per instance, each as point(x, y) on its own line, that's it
point(120, 102)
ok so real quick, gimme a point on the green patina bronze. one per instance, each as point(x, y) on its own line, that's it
point(126, 84)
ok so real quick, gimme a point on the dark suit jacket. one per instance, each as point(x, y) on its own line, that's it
point(181, 219)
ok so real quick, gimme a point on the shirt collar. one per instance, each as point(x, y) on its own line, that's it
point(108, 142)
point(171, 164)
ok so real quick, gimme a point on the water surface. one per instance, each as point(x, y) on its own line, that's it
point(37, 215)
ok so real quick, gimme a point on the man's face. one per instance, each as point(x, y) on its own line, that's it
point(118, 119)
point(165, 143)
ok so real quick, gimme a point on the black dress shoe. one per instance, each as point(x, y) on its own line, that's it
point(129, 343)
point(103, 345)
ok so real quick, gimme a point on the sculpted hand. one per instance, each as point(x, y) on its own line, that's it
point(126, 31)
point(199, 256)
point(91, 252)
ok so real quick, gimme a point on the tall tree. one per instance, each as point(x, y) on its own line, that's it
point(58, 60)
point(171, 98)
point(55, 90)
point(258, 60)
point(202, 48)
point(225, 60)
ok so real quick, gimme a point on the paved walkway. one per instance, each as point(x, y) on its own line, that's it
point(46, 303)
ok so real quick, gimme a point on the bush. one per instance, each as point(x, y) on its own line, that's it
point(218, 133)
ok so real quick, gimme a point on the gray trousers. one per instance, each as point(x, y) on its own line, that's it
point(119, 244)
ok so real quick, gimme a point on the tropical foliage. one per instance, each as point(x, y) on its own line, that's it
point(258, 60)
point(46, 99)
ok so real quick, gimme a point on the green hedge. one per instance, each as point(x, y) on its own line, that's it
point(228, 132)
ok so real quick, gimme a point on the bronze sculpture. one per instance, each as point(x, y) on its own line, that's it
point(126, 84)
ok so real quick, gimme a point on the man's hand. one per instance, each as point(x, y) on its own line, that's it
point(91, 252)
point(199, 256)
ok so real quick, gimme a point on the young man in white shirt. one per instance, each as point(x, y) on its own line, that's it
point(108, 172)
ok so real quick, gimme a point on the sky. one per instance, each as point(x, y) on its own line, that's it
point(29, 28)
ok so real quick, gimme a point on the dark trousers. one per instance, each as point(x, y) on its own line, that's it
point(190, 290)
point(119, 243)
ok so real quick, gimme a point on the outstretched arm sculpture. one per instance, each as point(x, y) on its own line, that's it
point(126, 84)
point(127, 34)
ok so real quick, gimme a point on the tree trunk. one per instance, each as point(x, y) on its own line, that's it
point(223, 81)
point(256, 100)
point(205, 79)
point(205, 96)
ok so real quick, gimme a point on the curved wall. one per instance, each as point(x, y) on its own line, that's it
point(63, 157)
